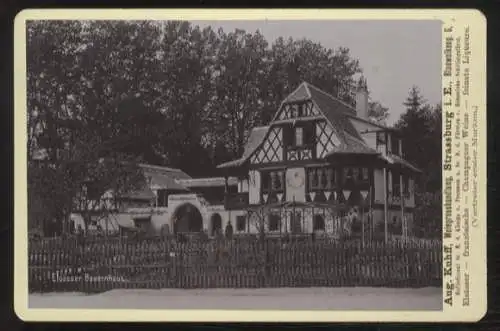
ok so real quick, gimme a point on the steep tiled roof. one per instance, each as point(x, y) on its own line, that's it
point(159, 177)
point(394, 159)
point(164, 177)
point(143, 194)
point(256, 138)
point(353, 146)
point(336, 112)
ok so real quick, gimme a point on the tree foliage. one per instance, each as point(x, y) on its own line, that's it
point(377, 112)
point(165, 93)
point(421, 128)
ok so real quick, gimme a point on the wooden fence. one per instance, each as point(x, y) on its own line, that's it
point(103, 264)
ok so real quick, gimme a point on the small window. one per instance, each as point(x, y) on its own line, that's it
point(162, 198)
point(381, 141)
point(322, 178)
point(266, 181)
point(395, 183)
point(277, 180)
point(355, 174)
point(364, 174)
point(395, 145)
point(241, 223)
point(406, 184)
point(300, 110)
point(348, 176)
point(273, 181)
point(330, 178)
point(318, 223)
point(296, 222)
point(274, 222)
point(299, 136)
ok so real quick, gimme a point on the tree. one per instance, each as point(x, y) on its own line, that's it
point(239, 70)
point(377, 112)
point(107, 180)
point(421, 129)
point(162, 93)
point(253, 79)
point(74, 97)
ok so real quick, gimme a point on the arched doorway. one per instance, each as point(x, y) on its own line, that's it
point(215, 224)
point(187, 218)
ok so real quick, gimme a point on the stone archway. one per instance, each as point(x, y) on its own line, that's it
point(215, 224)
point(187, 218)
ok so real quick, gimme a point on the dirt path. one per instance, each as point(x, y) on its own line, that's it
point(281, 298)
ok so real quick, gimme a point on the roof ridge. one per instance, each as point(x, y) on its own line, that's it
point(154, 166)
point(382, 126)
point(332, 97)
point(306, 85)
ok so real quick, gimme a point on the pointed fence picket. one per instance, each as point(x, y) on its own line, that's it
point(102, 264)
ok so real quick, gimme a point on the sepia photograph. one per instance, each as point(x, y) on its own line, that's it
point(234, 164)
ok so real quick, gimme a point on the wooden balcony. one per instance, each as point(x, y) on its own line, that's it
point(234, 201)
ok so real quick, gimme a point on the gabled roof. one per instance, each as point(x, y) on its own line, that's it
point(353, 146)
point(164, 177)
point(158, 177)
point(336, 112)
point(256, 138)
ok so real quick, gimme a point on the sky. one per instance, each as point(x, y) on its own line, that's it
point(394, 55)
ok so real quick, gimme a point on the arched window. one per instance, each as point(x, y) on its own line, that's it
point(318, 223)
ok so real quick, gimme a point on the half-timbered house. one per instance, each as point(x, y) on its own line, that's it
point(323, 166)
point(319, 166)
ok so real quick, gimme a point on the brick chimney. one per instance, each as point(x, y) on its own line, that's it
point(362, 99)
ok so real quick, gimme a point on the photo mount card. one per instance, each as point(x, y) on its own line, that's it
point(250, 165)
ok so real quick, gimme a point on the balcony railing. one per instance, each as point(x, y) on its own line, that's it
point(236, 201)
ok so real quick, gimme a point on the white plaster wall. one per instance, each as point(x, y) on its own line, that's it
point(254, 223)
point(160, 218)
point(254, 187)
point(294, 191)
point(378, 177)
